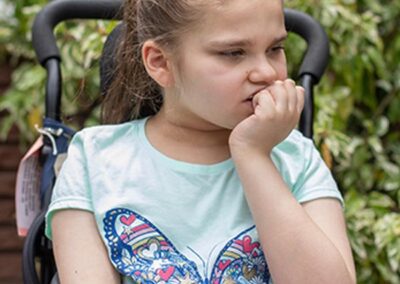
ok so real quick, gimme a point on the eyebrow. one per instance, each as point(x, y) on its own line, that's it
point(242, 42)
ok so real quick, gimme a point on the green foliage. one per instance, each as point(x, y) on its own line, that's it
point(80, 46)
point(357, 121)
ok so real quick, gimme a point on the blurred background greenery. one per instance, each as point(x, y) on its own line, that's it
point(357, 123)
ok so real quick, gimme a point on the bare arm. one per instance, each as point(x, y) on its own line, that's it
point(80, 254)
point(303, 244)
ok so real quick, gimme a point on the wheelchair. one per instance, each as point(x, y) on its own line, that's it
point(38, 263)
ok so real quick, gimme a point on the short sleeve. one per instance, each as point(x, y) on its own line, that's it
point(316, 180)
point(72, 187)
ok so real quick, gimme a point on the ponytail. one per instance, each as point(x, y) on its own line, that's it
point(132, 93)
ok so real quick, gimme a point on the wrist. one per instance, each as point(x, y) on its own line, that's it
point(249, 154)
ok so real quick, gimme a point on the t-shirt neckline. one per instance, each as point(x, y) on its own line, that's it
point(178, 165)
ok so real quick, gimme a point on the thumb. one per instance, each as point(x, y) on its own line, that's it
point(256, 98)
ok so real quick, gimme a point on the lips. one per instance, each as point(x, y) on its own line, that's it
point(250, 98)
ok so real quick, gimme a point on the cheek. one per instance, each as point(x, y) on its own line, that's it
point(218, 79)
point(281, 68)
point(224, 87)
point(282, 73)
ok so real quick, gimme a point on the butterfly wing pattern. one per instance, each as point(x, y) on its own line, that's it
point(141, 251)
point(241, 261)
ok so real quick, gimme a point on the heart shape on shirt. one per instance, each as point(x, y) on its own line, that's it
point(248, 245)
point(127, 221)
point(150, 252)
point(224, 264)
point(165, 274)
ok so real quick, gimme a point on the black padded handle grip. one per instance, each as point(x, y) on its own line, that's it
point(316, 57)
point(55, 12)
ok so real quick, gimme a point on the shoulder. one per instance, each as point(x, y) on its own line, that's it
point(104, 147)
point(295, 147)
point(294, 155)
point(304, 170)
point(109, 131)
point(105, 136)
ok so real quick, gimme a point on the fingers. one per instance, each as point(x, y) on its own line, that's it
point(282, 102)
point(280, 95)
point(264, 104)
point(300, 98)
point(277, 110)
point(287, 98)
point(292, 97)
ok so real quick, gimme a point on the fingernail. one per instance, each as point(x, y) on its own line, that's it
point(291, 81)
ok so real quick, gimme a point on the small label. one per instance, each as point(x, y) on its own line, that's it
point(27, 190)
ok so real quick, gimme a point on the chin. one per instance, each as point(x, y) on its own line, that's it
point(233, 125)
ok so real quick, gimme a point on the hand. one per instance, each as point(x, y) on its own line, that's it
point(277, 111)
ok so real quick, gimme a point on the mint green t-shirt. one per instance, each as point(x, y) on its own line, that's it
point(168, 221)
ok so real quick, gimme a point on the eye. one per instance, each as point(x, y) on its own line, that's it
point(278, 48)
point(232, 53)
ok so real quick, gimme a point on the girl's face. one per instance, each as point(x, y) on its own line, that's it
point(236, 51)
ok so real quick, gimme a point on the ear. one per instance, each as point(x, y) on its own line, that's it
point(158, 65)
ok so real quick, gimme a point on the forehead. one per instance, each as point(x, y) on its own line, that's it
point(242, 18)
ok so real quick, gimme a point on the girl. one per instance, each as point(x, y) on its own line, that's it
point(216, 186)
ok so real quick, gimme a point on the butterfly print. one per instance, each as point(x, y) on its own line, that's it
point(141, 251)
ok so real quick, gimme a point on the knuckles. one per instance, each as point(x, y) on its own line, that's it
point(281, 102)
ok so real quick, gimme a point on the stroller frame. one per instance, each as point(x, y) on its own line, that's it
point(37, 246)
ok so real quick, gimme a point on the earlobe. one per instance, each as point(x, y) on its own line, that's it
point(157, 64)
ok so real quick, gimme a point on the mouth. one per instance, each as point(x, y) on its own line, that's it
point(250, 98)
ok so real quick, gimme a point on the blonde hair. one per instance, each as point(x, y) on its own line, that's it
point(133, 93)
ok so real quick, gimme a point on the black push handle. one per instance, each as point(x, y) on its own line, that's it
point(314, 63)
point(44, 43)
point(316, 57)
point(55, 12)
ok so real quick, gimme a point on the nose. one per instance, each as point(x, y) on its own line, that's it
point(263, 72)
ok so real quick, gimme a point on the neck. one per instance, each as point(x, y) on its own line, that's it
point(188, 140)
